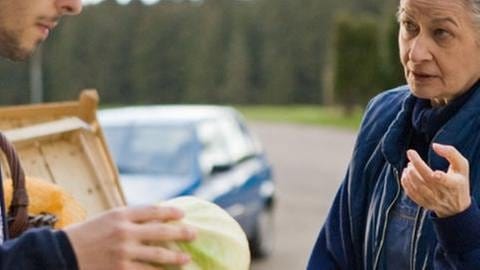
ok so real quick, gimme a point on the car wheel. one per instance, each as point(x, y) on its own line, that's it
point(261, 244)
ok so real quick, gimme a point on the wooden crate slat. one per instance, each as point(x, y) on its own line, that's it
point(87, 140)
point(72, 171)
point(63, 143)
point(40, 131)
point(34, 163)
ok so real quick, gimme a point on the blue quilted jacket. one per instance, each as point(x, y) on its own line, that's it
point(353, 235)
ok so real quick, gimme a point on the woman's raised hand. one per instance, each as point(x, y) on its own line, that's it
point(446, 194)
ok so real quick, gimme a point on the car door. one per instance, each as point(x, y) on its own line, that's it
point(234, 170)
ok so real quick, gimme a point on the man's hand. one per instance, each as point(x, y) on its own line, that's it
point(446, 194)
point(117, 239)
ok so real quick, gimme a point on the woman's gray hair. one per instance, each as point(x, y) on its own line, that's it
point(473, 4)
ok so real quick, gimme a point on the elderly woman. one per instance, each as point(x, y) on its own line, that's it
point(410, 197)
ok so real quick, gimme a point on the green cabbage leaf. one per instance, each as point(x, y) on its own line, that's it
point(221, 243)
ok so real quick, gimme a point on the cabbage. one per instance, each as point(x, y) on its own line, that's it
point(221, 243)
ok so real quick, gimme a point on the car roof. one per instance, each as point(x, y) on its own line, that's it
point(174, 114)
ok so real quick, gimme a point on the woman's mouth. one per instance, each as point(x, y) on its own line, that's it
point(421, 76)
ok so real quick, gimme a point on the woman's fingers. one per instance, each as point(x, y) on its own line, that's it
point(414, 173)
point(420, 165)
point(457, 162)
point(447, 193)
point(416, 189)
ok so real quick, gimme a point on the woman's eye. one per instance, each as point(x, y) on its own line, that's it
point(410, 26)
point(441, 33)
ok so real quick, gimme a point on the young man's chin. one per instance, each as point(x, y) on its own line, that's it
point(17, 56)
point(17, 53)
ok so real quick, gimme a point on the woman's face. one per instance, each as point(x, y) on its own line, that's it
point(439, 48)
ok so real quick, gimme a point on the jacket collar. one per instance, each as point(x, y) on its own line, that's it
point(395, 140)
point(455, 132)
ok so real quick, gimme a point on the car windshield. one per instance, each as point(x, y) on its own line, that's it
point(159, 149)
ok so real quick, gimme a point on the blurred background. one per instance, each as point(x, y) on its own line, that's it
point(301, 72)
point(216, 51)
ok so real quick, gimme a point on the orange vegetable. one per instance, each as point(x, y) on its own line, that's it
point(47, 197)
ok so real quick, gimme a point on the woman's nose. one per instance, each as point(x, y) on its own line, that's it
point(69, 7)
point(420, 50)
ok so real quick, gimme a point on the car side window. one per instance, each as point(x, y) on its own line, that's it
point(161, 149)
point(226, 141)
point(253, 141)
point(238, 143)
point(214, 150)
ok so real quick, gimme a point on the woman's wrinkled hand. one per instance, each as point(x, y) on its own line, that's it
point(446, 194)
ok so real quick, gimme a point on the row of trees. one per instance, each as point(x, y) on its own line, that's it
point(365, 56)
point(220, 51)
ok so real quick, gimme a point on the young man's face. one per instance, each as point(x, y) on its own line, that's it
point(26, 23)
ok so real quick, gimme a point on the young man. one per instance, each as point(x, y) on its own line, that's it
point(114, 240)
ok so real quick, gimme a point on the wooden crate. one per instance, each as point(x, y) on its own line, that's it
point(64, 143)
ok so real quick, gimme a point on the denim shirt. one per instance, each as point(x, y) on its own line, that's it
point(400, 235)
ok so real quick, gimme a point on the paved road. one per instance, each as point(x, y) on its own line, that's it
point(309, 163)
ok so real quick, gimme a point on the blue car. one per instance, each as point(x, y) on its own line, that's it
point(207, 151)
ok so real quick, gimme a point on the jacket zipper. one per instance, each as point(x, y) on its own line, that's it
point(416, 236)
point(420, 217)
point(382, 240)
point(426, 260)
point(413, 239)
point(423, 212)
